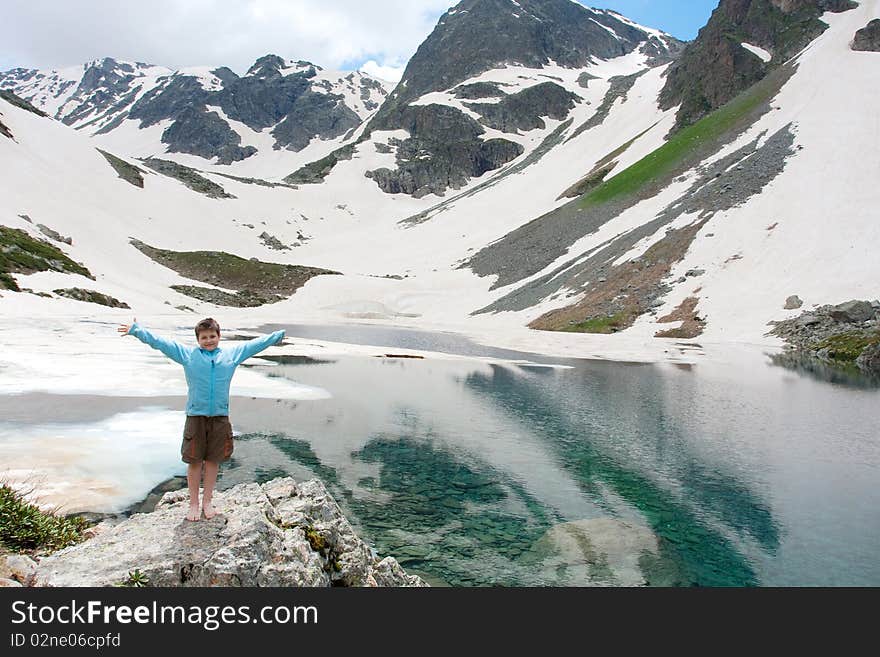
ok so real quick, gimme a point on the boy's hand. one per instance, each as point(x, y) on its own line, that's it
point(125, 328)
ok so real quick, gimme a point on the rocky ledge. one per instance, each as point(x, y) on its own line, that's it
point(280, 533)
point(845, 334)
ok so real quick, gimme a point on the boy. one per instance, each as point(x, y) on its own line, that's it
point(207, 434)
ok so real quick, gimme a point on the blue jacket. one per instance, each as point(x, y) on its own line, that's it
point(208, 373)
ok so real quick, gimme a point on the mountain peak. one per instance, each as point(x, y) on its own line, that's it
point(475, 36)
point(270, 65)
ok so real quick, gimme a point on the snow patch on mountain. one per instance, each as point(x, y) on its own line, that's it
point(204, 74)
point(762, 54)
point(361, 92)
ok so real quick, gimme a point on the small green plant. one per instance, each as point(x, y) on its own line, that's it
point(128, 172)
point(136, 579)
point(25, 527)
point(315, 539)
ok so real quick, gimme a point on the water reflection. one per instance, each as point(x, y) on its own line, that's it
point(805, 364)
point(443, 493)
point(703, 555)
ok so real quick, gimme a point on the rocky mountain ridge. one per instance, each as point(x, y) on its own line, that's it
point(198, 107)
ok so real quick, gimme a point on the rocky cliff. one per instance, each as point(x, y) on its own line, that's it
point(719, 64)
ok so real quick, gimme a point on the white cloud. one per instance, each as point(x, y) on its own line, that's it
point(388, 73)
point(176, 33)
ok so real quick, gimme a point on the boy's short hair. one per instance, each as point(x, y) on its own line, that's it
point(208, 324)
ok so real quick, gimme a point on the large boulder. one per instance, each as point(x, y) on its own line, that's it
point(852, 312)
point(793, 302)
point(277, 534)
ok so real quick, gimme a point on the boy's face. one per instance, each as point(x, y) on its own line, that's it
point(208, 340)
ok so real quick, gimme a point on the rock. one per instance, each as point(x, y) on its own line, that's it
point(869, 360)
point(522, 111)
point(90, 296)
point(277, 534)
point(868, 38)
point(272, 242)
point(824, 354)
point(19, 567)
point(793, 302)
point(852, 312)
point(10, 583)
point(444, 150)
point(48, 232)
point(807, 320)
point(390, 573)
point(598, 551)
point(695, 272)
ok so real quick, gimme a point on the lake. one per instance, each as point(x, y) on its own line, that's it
point(540, 472)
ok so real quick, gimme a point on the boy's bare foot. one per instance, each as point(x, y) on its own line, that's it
point(193, 513)
point(208, 510)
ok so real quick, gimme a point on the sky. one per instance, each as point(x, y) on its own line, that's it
point(377, 37)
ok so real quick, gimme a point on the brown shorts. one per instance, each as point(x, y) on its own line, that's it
point(206, 438)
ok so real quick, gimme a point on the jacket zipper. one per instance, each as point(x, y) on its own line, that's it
point(211, 405)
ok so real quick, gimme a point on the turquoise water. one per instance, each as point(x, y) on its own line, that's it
point(474, 474)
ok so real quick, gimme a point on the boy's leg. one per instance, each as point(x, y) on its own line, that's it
point(193, 475)
point(211, 468)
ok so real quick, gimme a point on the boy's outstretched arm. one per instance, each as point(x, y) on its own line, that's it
point(174, 350)
point(255, 346)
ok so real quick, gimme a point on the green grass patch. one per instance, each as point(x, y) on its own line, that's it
point(24, 527)
point(255, 181)
point(90, 296)
point(847, 347)
point(315, 172)
point(613, 155)
point(128, 172)
point(588, 182)
point(187, 176)
point(22, 254)
point(253, 277)
point(603, 324)
point(686, 147)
